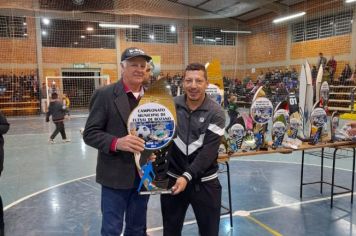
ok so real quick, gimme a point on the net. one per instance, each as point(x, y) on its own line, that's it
point(75, 91)
point(43, 38)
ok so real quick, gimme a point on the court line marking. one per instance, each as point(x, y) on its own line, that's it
point(70, 181)
point(236, 213)
point(295, 163)
point(264, 226)
point(194, 221)
point(297, 203)
point(44, 190)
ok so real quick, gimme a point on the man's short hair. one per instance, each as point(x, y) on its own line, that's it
point(54, 96)
point(196, 66)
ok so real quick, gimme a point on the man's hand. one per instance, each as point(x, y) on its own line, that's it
point(352, 132)
point(179, 186)
point(130, 143)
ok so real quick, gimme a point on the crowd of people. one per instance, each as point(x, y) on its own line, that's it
point(330, 67)
point(20, 85)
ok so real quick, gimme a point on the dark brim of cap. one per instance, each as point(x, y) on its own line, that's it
point(147, 58)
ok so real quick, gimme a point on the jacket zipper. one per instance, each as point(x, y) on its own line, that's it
point(189, 113)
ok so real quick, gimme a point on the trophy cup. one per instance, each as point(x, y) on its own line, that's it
point(154, 120)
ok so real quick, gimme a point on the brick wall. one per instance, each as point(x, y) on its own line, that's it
point(267, 44)
point(329, 46)
point(20, 50)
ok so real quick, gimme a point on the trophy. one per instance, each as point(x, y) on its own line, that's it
point(280, 125)
point(278, 132)
point(236, 136)
point(318, 119)
point(261, 112)
point(334, 124)
point(154, 120)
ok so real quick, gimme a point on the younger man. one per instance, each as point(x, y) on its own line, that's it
point(193, 156)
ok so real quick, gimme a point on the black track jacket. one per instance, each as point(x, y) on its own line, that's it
point(195, 149)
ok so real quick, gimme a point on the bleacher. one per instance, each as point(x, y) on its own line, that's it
point(16, 100)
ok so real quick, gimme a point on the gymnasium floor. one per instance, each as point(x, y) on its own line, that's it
point(51, 190)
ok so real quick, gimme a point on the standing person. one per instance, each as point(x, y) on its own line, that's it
point(321, 61)
point(106, 130)
point(56, 110)
point(193, 156)
point(332, 67)
point(66, 103)
point(232, 111)
point(4, 127)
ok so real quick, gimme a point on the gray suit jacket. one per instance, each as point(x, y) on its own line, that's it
point(109, 111)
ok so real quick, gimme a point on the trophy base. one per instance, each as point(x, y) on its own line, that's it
point(156, 191)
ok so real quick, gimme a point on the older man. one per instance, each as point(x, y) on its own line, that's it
point(106, 130)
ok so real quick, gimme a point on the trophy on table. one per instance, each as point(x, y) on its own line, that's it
point(318, 119)
point(261, 112)
point(334, 124)
point(236, 136)
point(280, 124)
point(154, 120)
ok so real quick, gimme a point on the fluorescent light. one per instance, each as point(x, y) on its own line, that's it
point(102, 35)
point(289, 17)
point(24, 23)
point(210, 40)
point(122, 26)
point(46, 21)
point(236, 31)
point(349, 1)
point(82, 36)
point(198, 37)
point(75, 43)
point(152, 36)
point(173, 28)
point(25, 34)
point(44, 33)
point(90, 28)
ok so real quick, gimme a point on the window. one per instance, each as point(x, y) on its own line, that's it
point(152, 34)
point(212, 36)
point(75, 34)
point(325, 26)
point(343, 23)
point(13, 27)
point(311, 31)
point(298, 32)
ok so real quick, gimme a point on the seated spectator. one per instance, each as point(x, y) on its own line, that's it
point(246, 80)
point(346, 73)
point(2, 86)
point(249, 85)
point(261, 76)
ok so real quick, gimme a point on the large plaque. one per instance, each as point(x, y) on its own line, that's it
point(154, 120)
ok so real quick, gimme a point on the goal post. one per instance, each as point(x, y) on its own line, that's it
point(78, 89)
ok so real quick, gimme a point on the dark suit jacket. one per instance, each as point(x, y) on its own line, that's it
point(4, 127)
point(109, 110)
